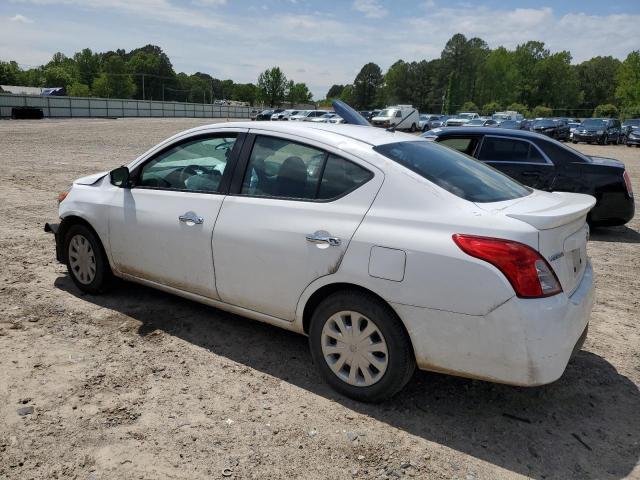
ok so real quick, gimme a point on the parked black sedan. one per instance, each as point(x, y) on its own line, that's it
point(265, 115)
point(546, 164)
point(598, 130)
point(558, 129)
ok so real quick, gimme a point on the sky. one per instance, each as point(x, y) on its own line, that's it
point(319, 42)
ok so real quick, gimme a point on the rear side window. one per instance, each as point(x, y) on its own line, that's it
point(497, 149)
point(465, 145)
point(457, 173)
point(280, 168)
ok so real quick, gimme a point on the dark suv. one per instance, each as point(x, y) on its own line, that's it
point(598, 130)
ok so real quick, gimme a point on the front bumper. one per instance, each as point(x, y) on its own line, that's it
point(55, 228)
point(525, 342)
point(586, 137)
point(633, 141)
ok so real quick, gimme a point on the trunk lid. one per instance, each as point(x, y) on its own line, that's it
point(560, 219)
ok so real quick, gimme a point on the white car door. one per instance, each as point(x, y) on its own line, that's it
point(160, 229)
point(294, 211)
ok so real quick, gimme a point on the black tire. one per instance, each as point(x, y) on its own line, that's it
point(605, 140)
point(574, 142)
point(401, 362)
point(103, 277)
point(413, 127)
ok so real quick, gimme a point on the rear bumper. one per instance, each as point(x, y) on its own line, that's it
point(525, 342)
point(54, 228)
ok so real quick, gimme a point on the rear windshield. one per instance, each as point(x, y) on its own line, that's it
point(594, 123)
point(544, 123)
point(455, 172)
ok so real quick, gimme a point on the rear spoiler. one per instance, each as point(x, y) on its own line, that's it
point(570, 207)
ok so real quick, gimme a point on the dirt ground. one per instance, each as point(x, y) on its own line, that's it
point(141, 384)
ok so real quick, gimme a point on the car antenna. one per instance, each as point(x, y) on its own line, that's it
point(393, 129)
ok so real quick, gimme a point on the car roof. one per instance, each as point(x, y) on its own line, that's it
point(324, 132)
point(504, 132)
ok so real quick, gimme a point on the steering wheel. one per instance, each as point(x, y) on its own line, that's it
point(225, 145)
point(188, 172)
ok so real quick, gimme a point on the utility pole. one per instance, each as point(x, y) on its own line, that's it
point(143, 86)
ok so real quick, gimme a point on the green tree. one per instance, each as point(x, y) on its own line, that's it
point(57, 76)
point(628, 91)
point(298, 93)
point(335, 91)
point(498, 77)
point(556, 82)
point(518, 107)
point(9, 73)
point(87, 66)
point(245, 92)
point(631, 112)
point(490, 108)
point(469, 107)
point(542, 111)
point(597, 79)
point(367, 87)
point(158, 72)
point(115, 81)
point(605, 111)
point(77, 89)
point(272, 86)
point(347, 95)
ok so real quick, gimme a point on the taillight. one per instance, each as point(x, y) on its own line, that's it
point(528, 272)
point(62, 196)
point(627, 183)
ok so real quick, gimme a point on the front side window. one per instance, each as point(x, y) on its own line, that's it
point(285, 169)
point(457, 173)
point(496, 149)
point(196, 165)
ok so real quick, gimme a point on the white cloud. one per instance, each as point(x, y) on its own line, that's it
point(370, 8)
point(18, 18)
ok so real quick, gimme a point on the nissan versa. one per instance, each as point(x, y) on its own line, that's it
point(389, 251)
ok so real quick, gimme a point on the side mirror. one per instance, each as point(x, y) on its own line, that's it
point(120, 177)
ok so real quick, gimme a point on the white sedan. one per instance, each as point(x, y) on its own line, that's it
point(389, 251)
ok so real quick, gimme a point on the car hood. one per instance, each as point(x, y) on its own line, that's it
point(610, 162)
point(90, 179)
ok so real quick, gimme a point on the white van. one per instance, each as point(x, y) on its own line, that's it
point(508, 115)
point(401, 117)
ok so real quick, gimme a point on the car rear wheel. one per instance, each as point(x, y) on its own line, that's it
point(86, 261)
point(360, 346)
point(413, 127)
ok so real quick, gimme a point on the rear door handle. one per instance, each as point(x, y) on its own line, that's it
point(322, 237)
point(191, 218)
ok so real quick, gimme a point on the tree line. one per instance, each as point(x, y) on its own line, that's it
point(469, 76)
point(147, 73)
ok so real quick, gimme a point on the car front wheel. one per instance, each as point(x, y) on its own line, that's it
point(360, 346)
point(86, 262)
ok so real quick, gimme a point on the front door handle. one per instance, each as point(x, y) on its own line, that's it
point(191, 218)
point(323, 237)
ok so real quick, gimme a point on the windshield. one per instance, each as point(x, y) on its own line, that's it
point(453, 171)
point(508, 124)
point(544, 123)
point(633, 123)
point(476, 121)
point(594, 122)
point(387, 113)
point(501, 116)
point(466, 115)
